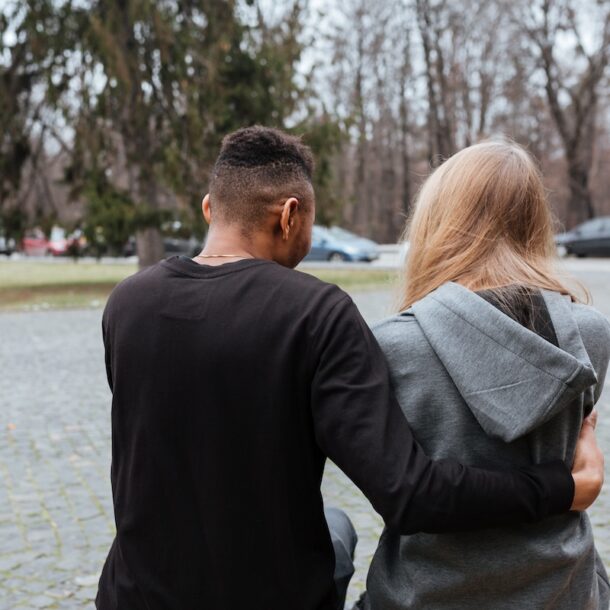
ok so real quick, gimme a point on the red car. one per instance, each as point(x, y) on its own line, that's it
point(35, 243)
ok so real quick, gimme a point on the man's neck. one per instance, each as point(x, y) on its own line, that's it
point(229, 245)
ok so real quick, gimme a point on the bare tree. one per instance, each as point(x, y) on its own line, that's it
point(371, 89)
point(431, 18)
point(462, 46)
point(405, 77)
point(573, 74)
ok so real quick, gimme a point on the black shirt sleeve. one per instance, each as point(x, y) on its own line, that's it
point(359, 425)
point(105, 338)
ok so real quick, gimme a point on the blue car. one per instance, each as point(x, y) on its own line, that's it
point(337, 244)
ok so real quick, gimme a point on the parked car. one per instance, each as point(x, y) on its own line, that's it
point(591, 238)
point(173, 245)
point(7, 245)
point(58, 242)
point(35, 243)
point(180, 245)
point(337, 244)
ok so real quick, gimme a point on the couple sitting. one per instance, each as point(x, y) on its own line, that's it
point(235, 377)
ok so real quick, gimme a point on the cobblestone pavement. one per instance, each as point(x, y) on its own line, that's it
point(56, 520)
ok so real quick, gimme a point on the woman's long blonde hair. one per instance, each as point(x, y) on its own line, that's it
point(482, 219)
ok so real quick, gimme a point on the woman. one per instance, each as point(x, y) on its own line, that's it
point(508, 363)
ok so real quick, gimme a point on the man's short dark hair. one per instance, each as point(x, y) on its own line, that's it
point(258, 166)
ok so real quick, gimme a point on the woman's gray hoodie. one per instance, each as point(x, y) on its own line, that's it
point(478, 387)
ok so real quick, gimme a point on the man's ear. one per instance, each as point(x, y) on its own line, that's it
point(289, 209)
point(206, 208)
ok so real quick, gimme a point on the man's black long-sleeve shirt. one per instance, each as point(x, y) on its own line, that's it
point(231, 385)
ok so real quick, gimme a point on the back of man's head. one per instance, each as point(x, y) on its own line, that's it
point(257, 167)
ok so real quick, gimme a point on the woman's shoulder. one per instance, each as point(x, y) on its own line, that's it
point(396, 324)
point(400, 332)
point(591, 320)
point(594, 326)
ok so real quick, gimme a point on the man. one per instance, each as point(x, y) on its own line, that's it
point(233, 378)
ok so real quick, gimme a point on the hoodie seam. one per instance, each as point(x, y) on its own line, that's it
point(571, 376)
point(396, 318)
point(548, 407)
point(500, 387)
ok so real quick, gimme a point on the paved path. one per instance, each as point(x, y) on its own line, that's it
point(55, 504)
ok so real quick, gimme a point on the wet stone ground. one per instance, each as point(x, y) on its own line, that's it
point(56, 520)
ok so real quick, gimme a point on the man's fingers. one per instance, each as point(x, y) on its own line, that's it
point(588, 468)
point(591, 420)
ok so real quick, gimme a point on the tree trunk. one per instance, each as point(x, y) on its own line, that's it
point(391, 227)
point(440, 123)
point(406, 170)
point(580, 206)
point(433, 118)
point(404, 131)
point(361, 216)
point(149, 245)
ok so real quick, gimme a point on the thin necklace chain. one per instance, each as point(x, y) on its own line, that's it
point(221, 256)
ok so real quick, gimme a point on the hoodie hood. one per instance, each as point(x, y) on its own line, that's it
point(512, 379)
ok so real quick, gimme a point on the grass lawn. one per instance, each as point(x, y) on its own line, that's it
point(26, 285)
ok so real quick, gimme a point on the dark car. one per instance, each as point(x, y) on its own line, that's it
point(592, 238)
point(181, 245)
point(188, 246)
point(337, 244)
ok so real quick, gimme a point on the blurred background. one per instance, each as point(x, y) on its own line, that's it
point(112, 112)
point(111, 115)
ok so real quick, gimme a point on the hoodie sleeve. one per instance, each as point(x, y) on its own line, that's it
point(360, 426)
